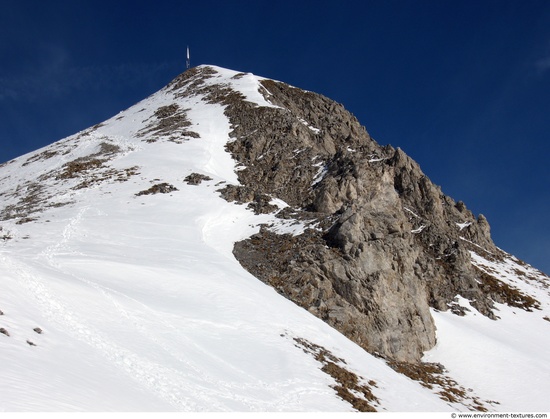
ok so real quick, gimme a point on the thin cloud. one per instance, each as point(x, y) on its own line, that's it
point(59, 78)
point(543, 65)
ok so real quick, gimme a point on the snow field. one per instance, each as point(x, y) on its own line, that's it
point(144, 307)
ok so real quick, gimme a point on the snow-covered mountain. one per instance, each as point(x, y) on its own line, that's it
point(122, 289)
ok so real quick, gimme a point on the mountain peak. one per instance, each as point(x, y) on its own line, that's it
point(138, 244)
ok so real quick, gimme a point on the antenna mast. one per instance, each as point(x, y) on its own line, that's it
point(188, 62)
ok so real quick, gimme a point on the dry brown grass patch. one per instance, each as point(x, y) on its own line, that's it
point(158, 188)
point(505, 294)
point(433, 376)
point(350, 387)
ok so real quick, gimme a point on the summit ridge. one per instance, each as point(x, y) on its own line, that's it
point(135, 247)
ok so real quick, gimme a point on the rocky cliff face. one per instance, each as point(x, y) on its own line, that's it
point(384, 244)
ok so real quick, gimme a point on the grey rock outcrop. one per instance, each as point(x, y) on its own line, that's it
point(387, 243)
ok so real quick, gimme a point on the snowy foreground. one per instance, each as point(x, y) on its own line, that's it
point(143, 307)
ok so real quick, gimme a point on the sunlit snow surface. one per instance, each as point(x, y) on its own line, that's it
point(507, 360)
point(144, 308)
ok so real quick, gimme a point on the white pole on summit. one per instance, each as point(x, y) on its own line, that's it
point(188, 62)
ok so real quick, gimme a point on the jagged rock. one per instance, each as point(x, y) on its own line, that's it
point(196, 178)
point(77, 167)
point(166, 111)
point(4, 331)
point(239, 194)
point(380, 309)
point(171, 120)
point(388, 245)
point(158, 188)
point(258, 202)
point(38, 330)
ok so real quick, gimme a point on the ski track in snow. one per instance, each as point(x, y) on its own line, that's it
point(169, 351)
point(188, 387)
point(172, 385)
point(169, 384)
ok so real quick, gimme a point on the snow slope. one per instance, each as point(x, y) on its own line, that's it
point(140, 302)
point(507, 360)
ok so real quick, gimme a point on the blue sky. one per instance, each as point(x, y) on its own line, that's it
point(463, 87)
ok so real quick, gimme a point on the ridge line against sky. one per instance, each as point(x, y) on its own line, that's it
point(463, 88)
